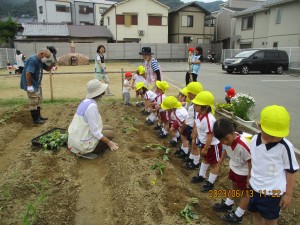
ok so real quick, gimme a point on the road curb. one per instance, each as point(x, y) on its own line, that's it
point(253, 129)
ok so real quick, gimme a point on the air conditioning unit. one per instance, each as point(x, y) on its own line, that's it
point(141, 32)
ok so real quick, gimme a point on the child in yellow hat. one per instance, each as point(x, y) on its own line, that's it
point(139, 76)
point(192, 159)
point(161, 89)
point(203, 136)
point(274, 166)
point(148, 96)
point(176, 115)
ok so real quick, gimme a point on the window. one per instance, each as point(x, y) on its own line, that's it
point(40, 9)
point(259, 55)
point(278, 16)
point(127, 20)
point(187, 21)
point(154, 20)
point(83, 9)
point(102, 9)
point(108, 21)
point(62, 8)
point(247, 23)
point(272, 55)
point(275, 45)
point(187, 39)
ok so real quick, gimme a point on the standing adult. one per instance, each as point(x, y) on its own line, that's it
point(31, 80)
point(100, 68)
point(195, 62)
point(153, 71)
point(20, 61)
point(86, 131)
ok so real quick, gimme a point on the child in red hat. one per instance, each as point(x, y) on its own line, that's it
point(229, 95)
point(126, 88)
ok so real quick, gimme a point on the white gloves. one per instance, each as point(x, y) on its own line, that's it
point(30, 89)
point(113, 146)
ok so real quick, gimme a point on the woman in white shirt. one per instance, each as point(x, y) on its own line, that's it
point(86, 128)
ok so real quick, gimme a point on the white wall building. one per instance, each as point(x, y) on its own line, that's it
point(144, 21)
point(77, 12)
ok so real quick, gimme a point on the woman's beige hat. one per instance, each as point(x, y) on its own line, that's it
point(95, 88)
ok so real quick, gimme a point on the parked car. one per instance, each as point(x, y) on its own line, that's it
point(265, 61)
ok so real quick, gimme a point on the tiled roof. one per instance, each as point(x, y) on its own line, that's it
point(256, 8)
point(262, 6)
point(40, 29)
point(235, 9)
point(196, 4)
point(89, 31)
point(64, 30)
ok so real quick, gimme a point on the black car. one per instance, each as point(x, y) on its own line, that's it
point(266, 61)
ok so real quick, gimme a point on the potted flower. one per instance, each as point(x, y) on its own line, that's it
point(227, 108)
point(243, 105)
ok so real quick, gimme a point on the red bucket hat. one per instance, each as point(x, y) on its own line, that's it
point(231, 92)
point(128, 74)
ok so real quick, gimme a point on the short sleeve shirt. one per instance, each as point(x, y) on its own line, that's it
point(150, 95)
point(191, 115)
point(204, 126)
point(239, 154)
point(270, 162)
point(179, 115)
point(137, 78)
point(34, 66)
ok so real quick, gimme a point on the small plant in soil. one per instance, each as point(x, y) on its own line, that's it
point(187, 213)
point(54, 140)
point(160, 147)
point(160, 166)
point(31, 214)
point(130, 124)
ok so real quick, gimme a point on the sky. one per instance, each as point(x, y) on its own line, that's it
point(185, 1)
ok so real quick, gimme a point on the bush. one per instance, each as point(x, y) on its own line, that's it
point(243, 105)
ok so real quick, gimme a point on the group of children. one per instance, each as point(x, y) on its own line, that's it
point(262, 172)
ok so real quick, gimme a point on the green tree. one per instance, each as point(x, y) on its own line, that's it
point(8, 30)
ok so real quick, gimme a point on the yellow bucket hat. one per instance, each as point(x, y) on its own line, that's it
point(139, 85)
point(141, 69)
point(275, 121)
point(170, 102)
point(194, 88)
point(162, 85)
point(205, 98)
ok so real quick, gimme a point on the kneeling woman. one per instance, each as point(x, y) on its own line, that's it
point(86, 131)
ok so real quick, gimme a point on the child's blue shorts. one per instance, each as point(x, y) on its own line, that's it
point(266, 205)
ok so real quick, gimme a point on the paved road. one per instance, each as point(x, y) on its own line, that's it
point(266, 89)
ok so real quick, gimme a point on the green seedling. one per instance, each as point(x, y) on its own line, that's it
point(31, 214)
point(131, 120)
point(159, 147)
point(159, 166)
point(187, 213)
point(7, 115)
point(54, 140)
point(165, 158)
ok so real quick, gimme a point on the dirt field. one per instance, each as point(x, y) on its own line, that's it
point(118, 188)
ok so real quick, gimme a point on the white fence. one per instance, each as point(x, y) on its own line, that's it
point(114, 51)
point(293, 53)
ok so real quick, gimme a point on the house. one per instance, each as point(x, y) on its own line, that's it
point(144, 21)
point(270, 24)
point(99, 8)
point(76, 12)
point(225, 23)
point(188, 24)
point(57, 11)
point(63, 37)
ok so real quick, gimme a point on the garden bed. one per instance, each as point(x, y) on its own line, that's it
point(117, 188)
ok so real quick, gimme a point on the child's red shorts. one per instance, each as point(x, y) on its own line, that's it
point(163, 116)
point(214, 154)
point(239, 180)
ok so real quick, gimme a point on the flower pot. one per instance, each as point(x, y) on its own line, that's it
point(245, 122)
point(226, 112)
